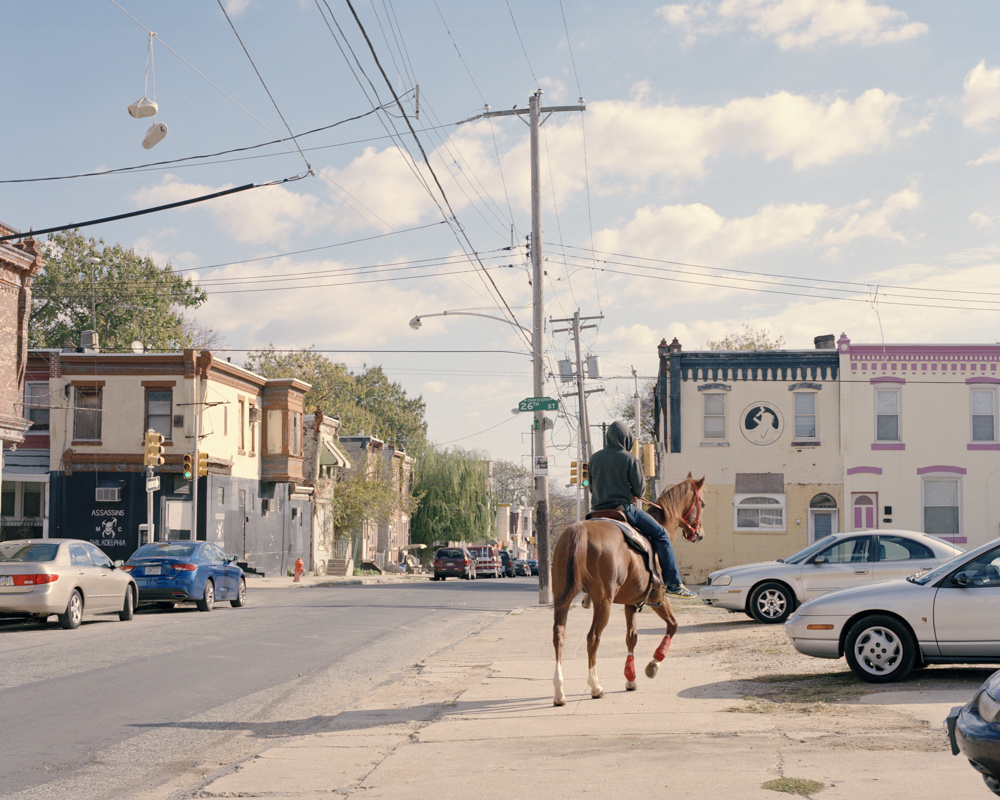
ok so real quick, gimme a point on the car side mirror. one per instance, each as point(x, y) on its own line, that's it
point(117, 564)
point(819, 560)
point(231, 559)
point(961, 579)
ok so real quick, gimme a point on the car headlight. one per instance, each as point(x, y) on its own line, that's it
point(722, 580)
point(989, 709)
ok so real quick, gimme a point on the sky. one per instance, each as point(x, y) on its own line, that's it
point(804, 167)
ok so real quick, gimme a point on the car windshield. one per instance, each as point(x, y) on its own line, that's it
point(801, 555)
point(449, 553)
point(924, 578)
point(16, 551)
point(165, 550)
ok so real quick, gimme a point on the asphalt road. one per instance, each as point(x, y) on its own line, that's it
point(115, 708)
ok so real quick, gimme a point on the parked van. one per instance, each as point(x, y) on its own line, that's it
point(488, 563)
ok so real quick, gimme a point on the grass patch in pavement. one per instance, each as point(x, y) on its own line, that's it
point(800, 786)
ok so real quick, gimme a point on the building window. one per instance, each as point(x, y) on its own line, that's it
point(715, 416)
point(941, 505)
point(159, 404)
point(295, 443)
point(87, 414)
point(983, 406)
point(243, 425)
point(805, 415)
point(36, 405)
point(760, 512)
point(887, 415)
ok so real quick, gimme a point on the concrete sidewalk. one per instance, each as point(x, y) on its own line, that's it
point(477, 721)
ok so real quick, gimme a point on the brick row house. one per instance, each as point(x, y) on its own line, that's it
point(91, 411)
point(796, 444)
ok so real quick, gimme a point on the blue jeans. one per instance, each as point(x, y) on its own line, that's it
point(660, 539)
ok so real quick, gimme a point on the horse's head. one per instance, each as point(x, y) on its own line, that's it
point(683, 503)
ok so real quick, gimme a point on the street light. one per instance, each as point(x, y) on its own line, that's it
point(417, 321)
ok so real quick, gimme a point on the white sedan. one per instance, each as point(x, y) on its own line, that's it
point(769, 591)
point(945, 616)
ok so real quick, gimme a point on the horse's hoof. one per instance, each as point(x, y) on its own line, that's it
point(651, 669)
point(631, 686)
point(598, 694)
point(558, 702)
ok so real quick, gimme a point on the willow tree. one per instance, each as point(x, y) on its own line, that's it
point(456, 503)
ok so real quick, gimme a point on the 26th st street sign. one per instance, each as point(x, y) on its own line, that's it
point(538, 404)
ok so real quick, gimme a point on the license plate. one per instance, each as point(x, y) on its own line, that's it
point(6, 580)
point(152, 570)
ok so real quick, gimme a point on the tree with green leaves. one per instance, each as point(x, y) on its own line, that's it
point(455, 501)
point(362, 495)
point(88, 285)
point(747, 339)
point(367, 402)
point(625, 411)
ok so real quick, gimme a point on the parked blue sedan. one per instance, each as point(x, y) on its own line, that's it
point(187, 572)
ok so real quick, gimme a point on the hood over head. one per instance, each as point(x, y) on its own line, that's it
point(620, 437)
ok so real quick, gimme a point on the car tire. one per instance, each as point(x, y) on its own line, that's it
point(241, 595)
point(128, 607)
point(880, 649)
point(771, 603)
point(207, 602)
point(992, 783)
point(73, 614)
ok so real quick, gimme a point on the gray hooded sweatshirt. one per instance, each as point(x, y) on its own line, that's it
point(615, 473)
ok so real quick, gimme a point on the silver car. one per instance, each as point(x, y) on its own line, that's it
point(769, 591)
point(67, 577)
point(945, 616)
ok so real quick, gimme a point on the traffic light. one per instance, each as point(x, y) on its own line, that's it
point(188, 469)
point(648, 460)
point(572, 472)
point(202, 464)
point(584, 477)
point(153, 455)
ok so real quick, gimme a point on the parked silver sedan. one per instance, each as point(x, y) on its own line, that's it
point(67, 577)
point(769, 591)
point(945, 616)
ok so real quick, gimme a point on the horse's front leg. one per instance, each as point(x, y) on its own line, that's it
point(602, 612)
point(666, 613)
point(631, 637)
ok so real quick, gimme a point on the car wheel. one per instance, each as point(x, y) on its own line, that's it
point(880, 649)
point(993, 784)
point(74, 611)
point(128, 609)
point(241, 595)
point(207, 603)
point(771, 602)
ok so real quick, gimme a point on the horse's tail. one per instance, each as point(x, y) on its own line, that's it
point(569, 564)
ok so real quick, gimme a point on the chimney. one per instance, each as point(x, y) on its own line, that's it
point(89, 342)
point(826, 342)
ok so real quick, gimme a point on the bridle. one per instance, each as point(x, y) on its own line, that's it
point(692, 526)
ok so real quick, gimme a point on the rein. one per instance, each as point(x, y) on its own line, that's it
point(690, 531)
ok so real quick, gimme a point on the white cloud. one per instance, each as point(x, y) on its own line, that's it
point(985, 221)
point(981, 99)
point(434, 387)
point(699, 234)
point(989, 157)
point(796, 24)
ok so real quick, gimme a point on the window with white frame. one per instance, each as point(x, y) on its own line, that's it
point(36, 405)
point(87, 413)
point(159, 404)
point(941, 497)
point(715, 415)
point(759, 512)
point(983, 404)
point(805, 415)
point(887, 415)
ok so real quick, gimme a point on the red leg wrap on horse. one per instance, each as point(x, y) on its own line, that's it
point(630, 668)
point(661, 651)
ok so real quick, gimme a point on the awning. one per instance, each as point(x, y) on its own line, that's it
point(331, 455)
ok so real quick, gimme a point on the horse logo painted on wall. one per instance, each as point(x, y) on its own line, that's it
point(761, 423)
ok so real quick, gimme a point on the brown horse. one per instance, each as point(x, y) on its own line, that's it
point(592, 557)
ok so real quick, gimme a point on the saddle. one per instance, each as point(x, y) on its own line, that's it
point(633, 539)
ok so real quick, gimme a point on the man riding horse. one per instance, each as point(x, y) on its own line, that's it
point(616, 480)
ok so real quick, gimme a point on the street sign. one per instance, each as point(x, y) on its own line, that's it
point(153, 484)
point(538, 404)
point(541, 465)
point(549, 424)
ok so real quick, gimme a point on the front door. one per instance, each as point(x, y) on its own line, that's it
point(865, 507)
point(846, 563)
point(821, 523)
point(963, 614)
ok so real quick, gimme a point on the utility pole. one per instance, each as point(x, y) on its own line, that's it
point(585, 451)
point(534, 112)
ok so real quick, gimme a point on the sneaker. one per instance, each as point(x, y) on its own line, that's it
point(681, 591)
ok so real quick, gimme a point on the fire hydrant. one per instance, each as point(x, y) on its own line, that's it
point(299, 569)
